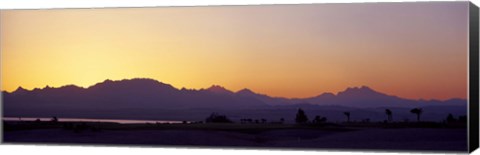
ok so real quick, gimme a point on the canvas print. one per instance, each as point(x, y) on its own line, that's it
point(373, 76)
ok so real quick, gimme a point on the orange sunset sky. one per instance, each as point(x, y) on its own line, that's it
point(411, 50)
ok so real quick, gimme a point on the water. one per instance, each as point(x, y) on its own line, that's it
point(122, 121)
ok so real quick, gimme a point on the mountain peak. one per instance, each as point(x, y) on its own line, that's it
point(219, 89)
point(365, 88)
point(143, 84)
point(362, 90)
point(245, 91)
point(327, 94)
point(70, 87)
point(134, 80)
point(20, 89)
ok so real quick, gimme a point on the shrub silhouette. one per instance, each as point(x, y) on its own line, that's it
point(418, 112)
point(216, 118)
point(366, 120)
point(462, 119)
point(80, 127)
point(348, 115)
point(450, 118)
point(68, 126)
point(318, 119)
point(389, 115)
point(301, 117)
point(263, 121)
point(243, 120)
point(54, 119)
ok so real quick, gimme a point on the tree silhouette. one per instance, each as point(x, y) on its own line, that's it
point(348, 116)
point(318, 119)
point(418, 112)
point(216, 118)
point(301, 117)
point(282, 120)
point(263, 120)
point(450, 118)
point(323, 119)
point(389, 114)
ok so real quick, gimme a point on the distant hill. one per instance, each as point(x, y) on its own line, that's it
point(150, 99)
point(358, 97)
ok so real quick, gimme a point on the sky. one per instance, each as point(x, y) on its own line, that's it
point(412, 50)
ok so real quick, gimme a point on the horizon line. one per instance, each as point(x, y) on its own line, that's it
point(212, 85)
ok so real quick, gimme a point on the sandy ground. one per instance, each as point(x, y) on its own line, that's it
point(384, 139)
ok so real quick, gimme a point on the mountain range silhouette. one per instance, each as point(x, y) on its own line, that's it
point(147, 98)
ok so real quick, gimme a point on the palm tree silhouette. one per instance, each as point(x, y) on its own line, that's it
point(418, 112)
point(389, 114)
point(348, 116)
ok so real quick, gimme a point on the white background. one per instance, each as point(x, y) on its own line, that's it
point(88, 150)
